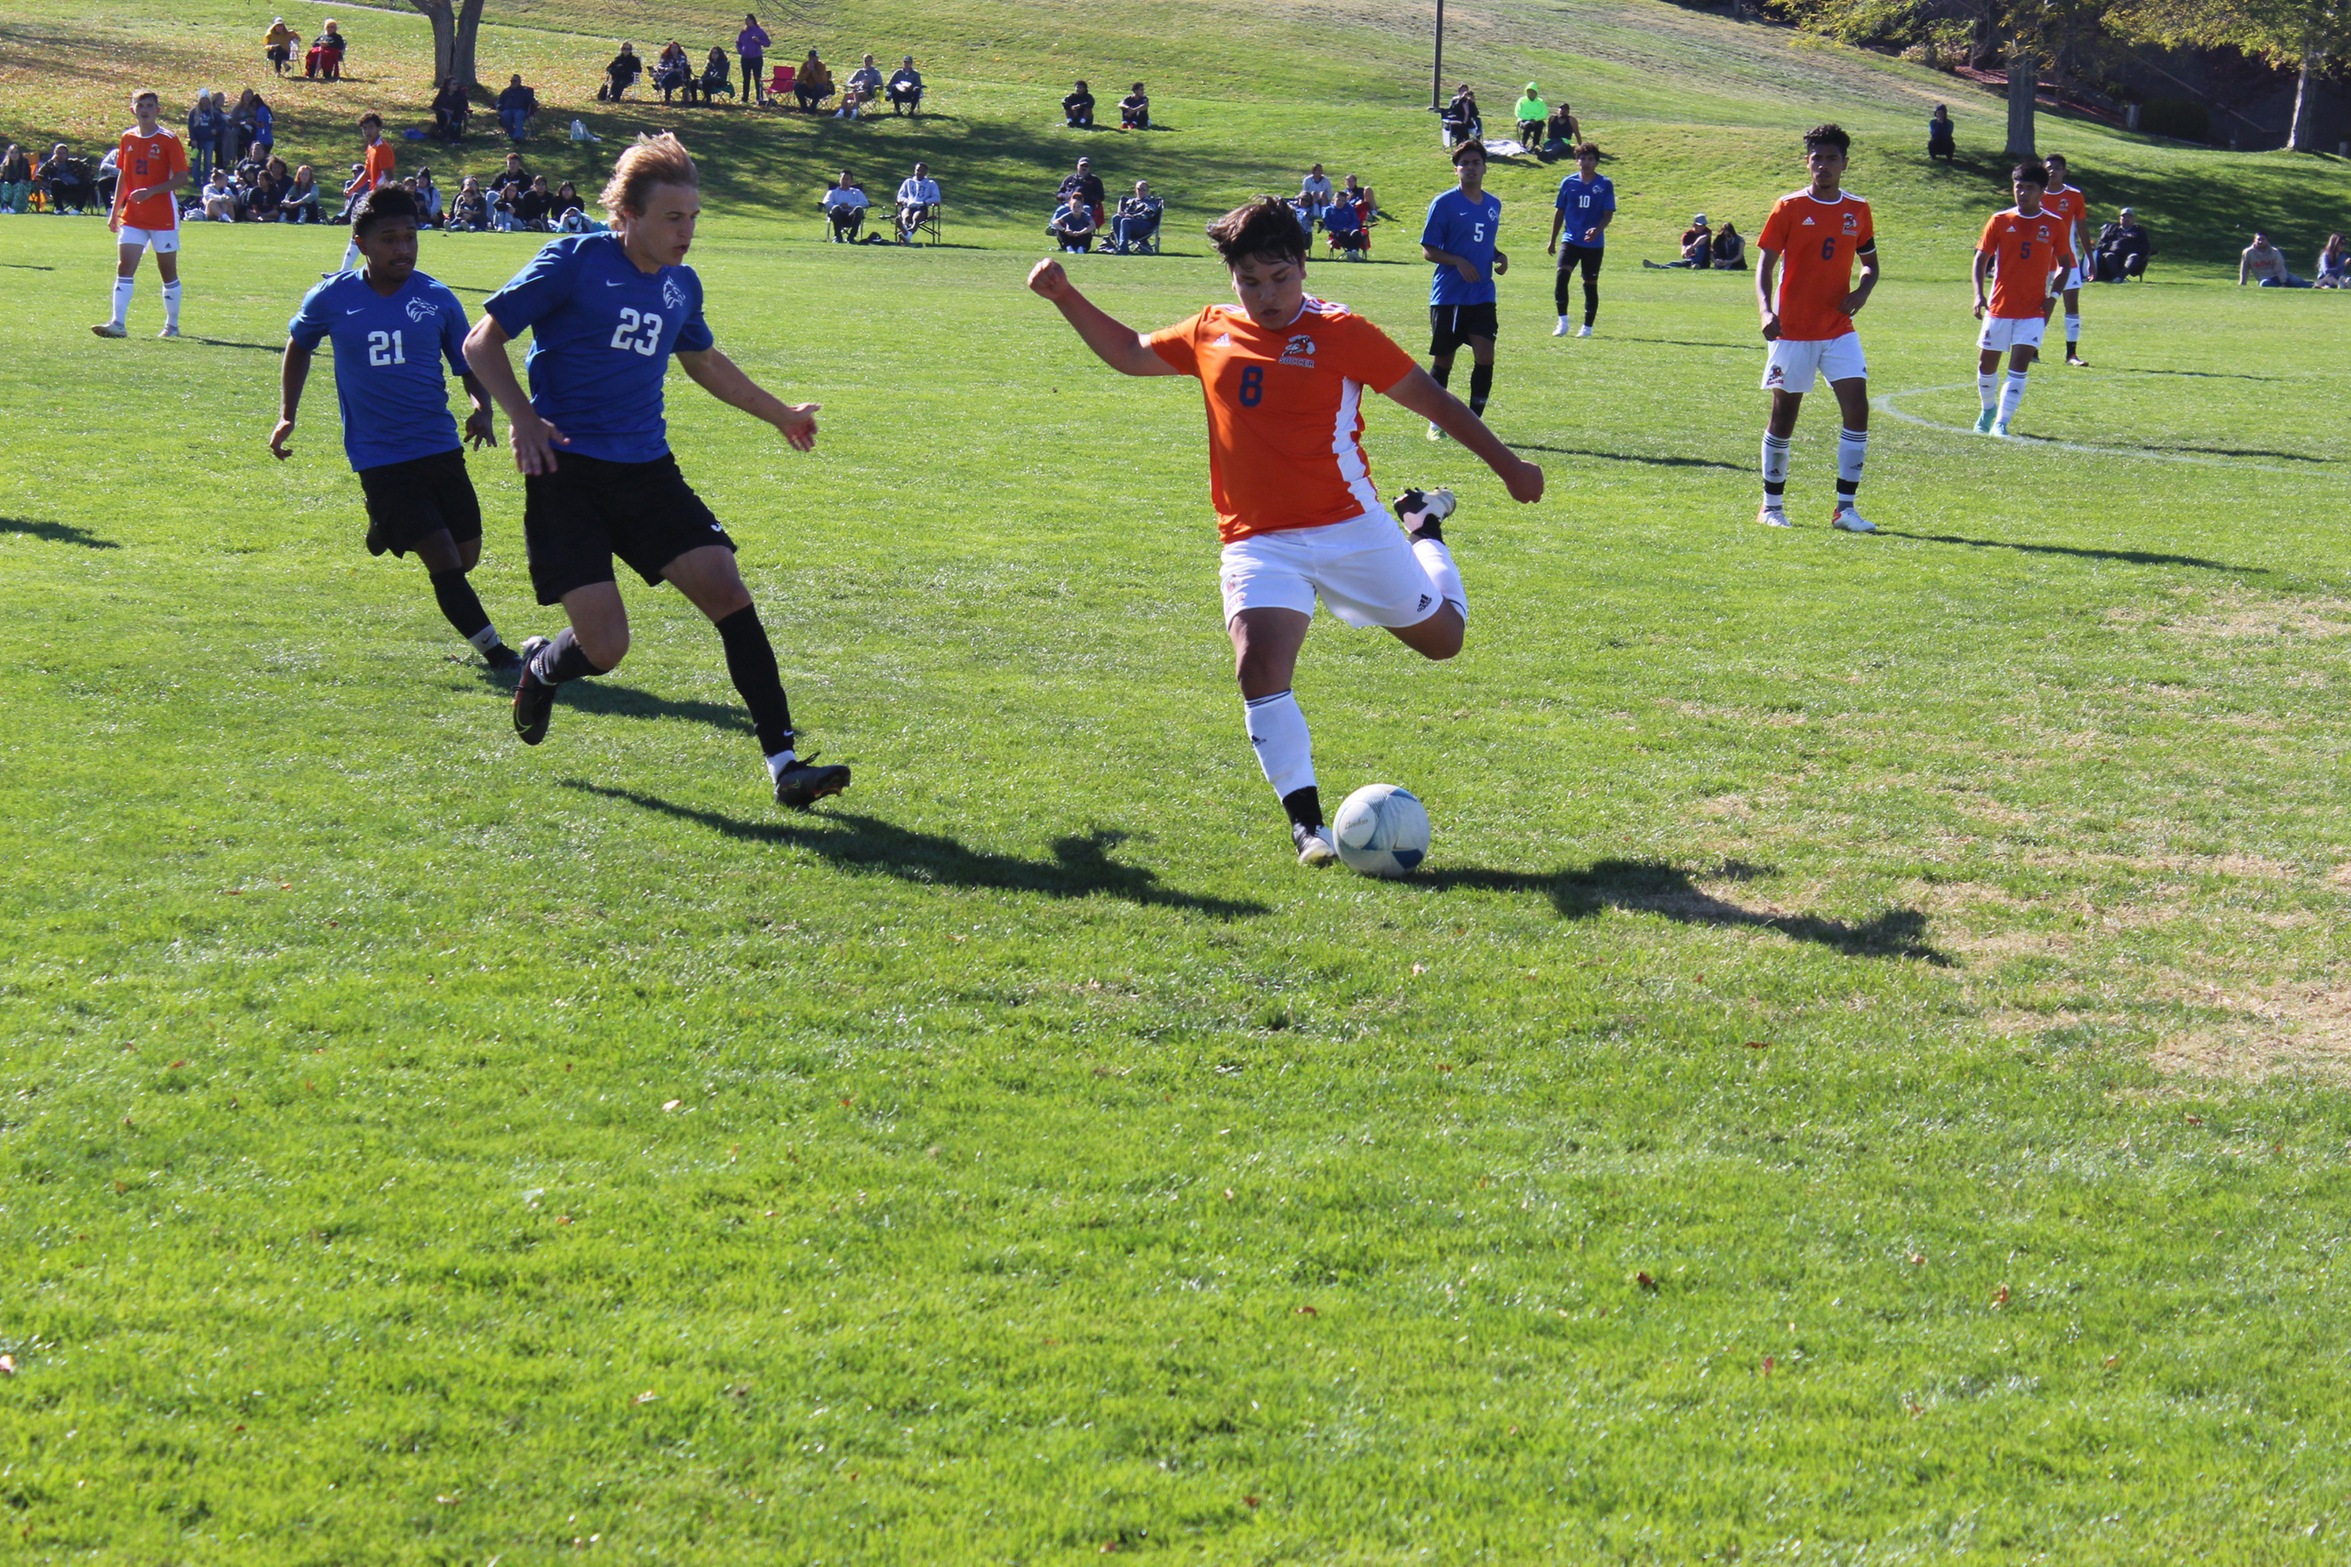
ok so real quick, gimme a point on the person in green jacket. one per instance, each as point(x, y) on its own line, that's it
point(1532, 113)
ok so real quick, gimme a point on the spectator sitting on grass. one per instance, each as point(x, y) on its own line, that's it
point(1561, 134)
point(471, 215)
point(2265, 264)
point(429, 202)
point(814, 84)
point(918, 199)
point(1697, 249)
point(1077, 109)
point(16, 179)
point(1073, 224)
point(621, 74)
point(904, 87)
point(2334, 264)
point(1134, 110)
point(301, 203)
point(844, 204)
point(1940, 141)
point(514, 173)
point(516, 105)
point(219, 198)
point(1461, 119)
point(1137, 219)
point(1533, 115)
point(266, 196)
point(567, 202)
point(1315, 192)
point(533, 205)
point(1730, 249)
point(1085, 182)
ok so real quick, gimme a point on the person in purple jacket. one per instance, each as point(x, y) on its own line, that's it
point(751, 48)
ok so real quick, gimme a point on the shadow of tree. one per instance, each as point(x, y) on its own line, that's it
point(1080, 866)
point(2127, 557)
point(1670, 892)
point(56, 533)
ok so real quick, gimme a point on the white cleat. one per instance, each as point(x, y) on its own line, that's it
point(1435, 434)
point(111, 329)
point(1583, 331)
point(1849, 520)
point(1314, 844)
point(169, 331)
point(1774, 517)
point(1562, 329)
point(2000, 428)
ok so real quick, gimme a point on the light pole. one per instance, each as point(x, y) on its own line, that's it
point(1437, 70)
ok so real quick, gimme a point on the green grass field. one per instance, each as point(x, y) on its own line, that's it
point(1860, 1079)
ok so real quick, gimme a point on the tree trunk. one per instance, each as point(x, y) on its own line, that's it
point(2024, 80)
point(444, 19)
point(2298, 133)
point(469, 31)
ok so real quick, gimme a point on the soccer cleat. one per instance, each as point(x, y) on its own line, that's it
point(1423, 512)
point(534, 699)
point(111, 329)
point(1435, 434)
point(503, 660)
point(1985, 421)
point(1585, 330)
point(802, 783)
point(169, 331)
point(1314, 844)
point(1849, 520)
point(1774, 517)
point(2000, 429)
point(1562, 329)
point(2076, 360)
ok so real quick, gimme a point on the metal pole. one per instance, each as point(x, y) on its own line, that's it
point(1437, 71)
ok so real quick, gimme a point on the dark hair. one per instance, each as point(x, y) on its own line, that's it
point(2056, 157)
point(1829, 135)
point(384, 204)
point(1468, 146)
point(1590, 149)
point(2032, 172)
point(1264, 227)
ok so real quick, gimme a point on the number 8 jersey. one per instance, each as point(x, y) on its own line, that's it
point(388, 357)
point(1817, 242)
point(601, 336)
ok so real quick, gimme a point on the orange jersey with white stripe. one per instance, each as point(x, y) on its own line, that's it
point(140, 161)
point(375, 167)
point(1285, 412)
point(1817, 242)
point(2025, 251)
point(2072, 206)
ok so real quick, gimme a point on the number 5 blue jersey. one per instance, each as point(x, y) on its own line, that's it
point(601, 336)
point(388, 356)
point(1461, 227)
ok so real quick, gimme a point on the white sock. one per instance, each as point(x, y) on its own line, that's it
point(484, 639)
point(1852, 449)
point(1775, 467)
point(171, 304)
point(1987, 387)
point(351, 254)
point(1277, 732)
point(122, 298)
point(2011, 395)
point(781, 760)
point(2073, 331)
point(1443, 575)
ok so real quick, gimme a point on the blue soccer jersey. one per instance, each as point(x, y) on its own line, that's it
point(601, 336)
point(1461, 227)
point(388, 356)
point(1582, 204)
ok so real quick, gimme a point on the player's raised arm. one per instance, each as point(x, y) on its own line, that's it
point(1420, 393)
point(723, 379)
point(1116, 344)
point(293, 373)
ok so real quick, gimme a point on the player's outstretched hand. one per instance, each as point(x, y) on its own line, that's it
point(1524, 482)
point(277, 440)
point(479, 431)
point(535, 441)
point(1048, 279)
point(799, 425)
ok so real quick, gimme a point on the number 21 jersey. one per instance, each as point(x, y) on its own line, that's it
point(1817, 242)
point(388, 357)
point(601, 336)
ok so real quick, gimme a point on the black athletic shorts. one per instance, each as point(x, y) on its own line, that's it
point(408, 502)
point(1450, 326)
point(577, 518)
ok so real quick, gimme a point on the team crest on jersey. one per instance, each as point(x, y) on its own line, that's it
point(1852, 222)
point(422, 310)
point(672, 295)
point(1299, 350)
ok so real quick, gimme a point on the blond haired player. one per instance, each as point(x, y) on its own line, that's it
point(150, 167)
point(1804, 287)
point(1283, 375)
point(2073, 208)
point(2019, 250)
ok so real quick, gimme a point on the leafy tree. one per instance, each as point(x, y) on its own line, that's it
point(2305, 36)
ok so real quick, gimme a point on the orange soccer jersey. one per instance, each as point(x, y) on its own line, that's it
point(1817, 242)
point(2071, 207)
point(1285, 412)
point(376, 167)
point(2024, 252)
point(141, 162)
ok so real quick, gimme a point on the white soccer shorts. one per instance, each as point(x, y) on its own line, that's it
point(2002, 333)
point(1363, 570)
point(162, 241)
point(2072, 279)
point(1795, 361)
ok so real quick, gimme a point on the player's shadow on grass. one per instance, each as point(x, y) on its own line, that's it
point(617, 701)
point(229, 342)
point(1080, 867)
point(2200, 375)
point(57, 533)
point(1638, 457)
point(2078, 552)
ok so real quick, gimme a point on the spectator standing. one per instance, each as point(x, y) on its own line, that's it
point(278, 45)
point(265, 126)
point(245, 125)
point(1580, 216)
point(1134, 110)
point(516, 104)
point(1941, 142)
point(845, 202)
point(2264, 264)
point(904, 87)
point(1533, 115)
point(1137, 219)
point(621, 74)
point(814, 83)
point(2334, 264)
point(16, 179)
point(918, 199)
point(204, 128)
point(1073, 224)
point(1315, 192)
point(751, 49)
point(1077, 109)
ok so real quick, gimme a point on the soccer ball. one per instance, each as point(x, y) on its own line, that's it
point(1381, 830)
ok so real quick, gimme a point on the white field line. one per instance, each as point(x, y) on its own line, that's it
point(1886, 402)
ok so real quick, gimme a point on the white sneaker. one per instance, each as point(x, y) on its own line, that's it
point(1583, 331)
point(1774, 517)
point(1435, 434)
point(169, 331)
point(111, 329)
point(1561, 329)
point(1850, 520)
point(1314, 844)
point(2000, 428)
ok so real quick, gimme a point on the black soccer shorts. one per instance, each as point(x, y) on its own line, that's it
point(576, 519)
point(408, 502)
point(1450, 326)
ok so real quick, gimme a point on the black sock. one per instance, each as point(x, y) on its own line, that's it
point(1559, 281)
point(563, 659)
point(751, 664)
point(1481, 387)
point(1591, 300)
point(1304, 806)
point(1848, 488)
point(463, 607)
point(1441, 372)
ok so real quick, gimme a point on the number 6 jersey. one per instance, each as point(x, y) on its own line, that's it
point(1817, 242)
point(388, 357)
point(601, 336)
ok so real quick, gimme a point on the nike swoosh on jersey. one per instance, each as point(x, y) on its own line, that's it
point(615, 282)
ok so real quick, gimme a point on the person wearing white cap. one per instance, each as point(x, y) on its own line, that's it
point(1697, 248)
point(278, 43)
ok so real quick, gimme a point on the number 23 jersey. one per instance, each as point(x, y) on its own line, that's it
point(1817, 242)
point(1285, 412)
point(388, 357)
point(601, 336)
